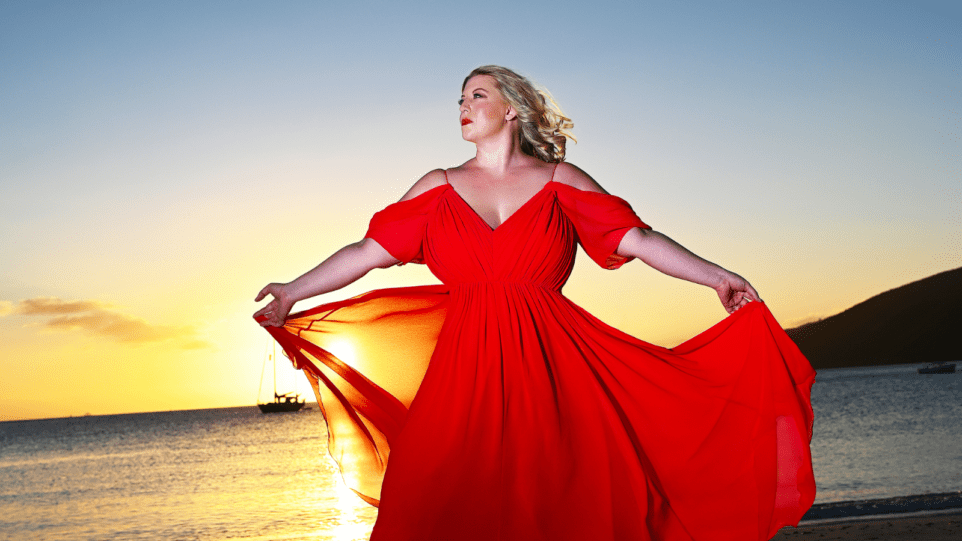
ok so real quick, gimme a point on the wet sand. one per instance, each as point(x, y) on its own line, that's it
point(945, 527)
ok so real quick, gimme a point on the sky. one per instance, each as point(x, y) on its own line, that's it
point(160, 162)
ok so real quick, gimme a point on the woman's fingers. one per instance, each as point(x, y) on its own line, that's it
point(736, 292)
point(267, 290)
point(266, 309)
point(741, 298)
point(271, 320)
point(273, 312)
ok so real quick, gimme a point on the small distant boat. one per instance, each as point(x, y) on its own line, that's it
point(282, 402)
point(938, 368)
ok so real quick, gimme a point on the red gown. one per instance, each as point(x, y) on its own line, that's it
point(509, 413)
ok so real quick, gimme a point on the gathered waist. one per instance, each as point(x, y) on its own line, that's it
point(509, 284)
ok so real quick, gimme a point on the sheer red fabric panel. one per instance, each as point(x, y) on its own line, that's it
point(365, 358)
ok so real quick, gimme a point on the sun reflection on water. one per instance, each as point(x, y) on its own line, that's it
point(355, 517)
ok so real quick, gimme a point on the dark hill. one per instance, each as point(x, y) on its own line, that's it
point(918, 322)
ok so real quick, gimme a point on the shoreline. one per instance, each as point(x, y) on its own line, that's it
point(883, 507)
point(933, 517)
point(943, 525)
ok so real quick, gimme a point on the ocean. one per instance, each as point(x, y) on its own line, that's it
point(237, 474)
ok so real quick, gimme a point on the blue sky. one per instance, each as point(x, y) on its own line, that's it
point(161, 161)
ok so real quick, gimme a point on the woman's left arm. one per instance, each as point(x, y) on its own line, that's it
point(671, 258)
point(666, 255)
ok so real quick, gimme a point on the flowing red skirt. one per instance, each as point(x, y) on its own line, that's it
point(606, 437)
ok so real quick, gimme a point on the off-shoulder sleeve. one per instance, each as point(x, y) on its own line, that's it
point(399, 228)
point(601, 221)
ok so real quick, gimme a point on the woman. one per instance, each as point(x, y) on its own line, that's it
point(510, 413)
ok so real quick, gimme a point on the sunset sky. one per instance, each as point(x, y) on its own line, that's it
point(161, 161)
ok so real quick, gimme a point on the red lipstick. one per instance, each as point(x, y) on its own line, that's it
point(465, 121)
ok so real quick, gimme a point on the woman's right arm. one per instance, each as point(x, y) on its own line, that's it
point(344, 267)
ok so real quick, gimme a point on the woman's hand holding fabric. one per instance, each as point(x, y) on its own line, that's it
point(277, 310)
point(735, 292)
point(342, 268)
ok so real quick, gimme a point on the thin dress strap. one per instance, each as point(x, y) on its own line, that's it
point(446, 176)
point(552, 172)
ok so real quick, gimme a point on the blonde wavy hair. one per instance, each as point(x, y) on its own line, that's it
point(544, 128)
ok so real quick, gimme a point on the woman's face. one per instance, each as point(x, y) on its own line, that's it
point(484, 112)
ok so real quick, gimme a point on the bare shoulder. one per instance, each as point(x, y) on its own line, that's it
point(466, 169)
point(571, 175)
point(431, 180)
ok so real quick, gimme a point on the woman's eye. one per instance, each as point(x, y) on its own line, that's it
point(476, 96)
point(461, 101)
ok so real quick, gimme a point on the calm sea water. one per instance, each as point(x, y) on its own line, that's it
point(237, 474)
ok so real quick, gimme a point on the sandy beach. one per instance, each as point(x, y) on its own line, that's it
point(944, 527)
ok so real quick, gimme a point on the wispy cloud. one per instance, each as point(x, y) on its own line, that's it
point(101, 319)
point(48, 306)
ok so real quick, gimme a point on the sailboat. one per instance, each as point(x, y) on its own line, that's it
point(938, 368)
point(282, 402)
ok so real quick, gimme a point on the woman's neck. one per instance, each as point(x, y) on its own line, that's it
point(499, 154)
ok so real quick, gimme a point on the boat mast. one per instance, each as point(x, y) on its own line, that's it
point(260, 382)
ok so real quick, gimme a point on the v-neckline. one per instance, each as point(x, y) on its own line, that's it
point(506, 220)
